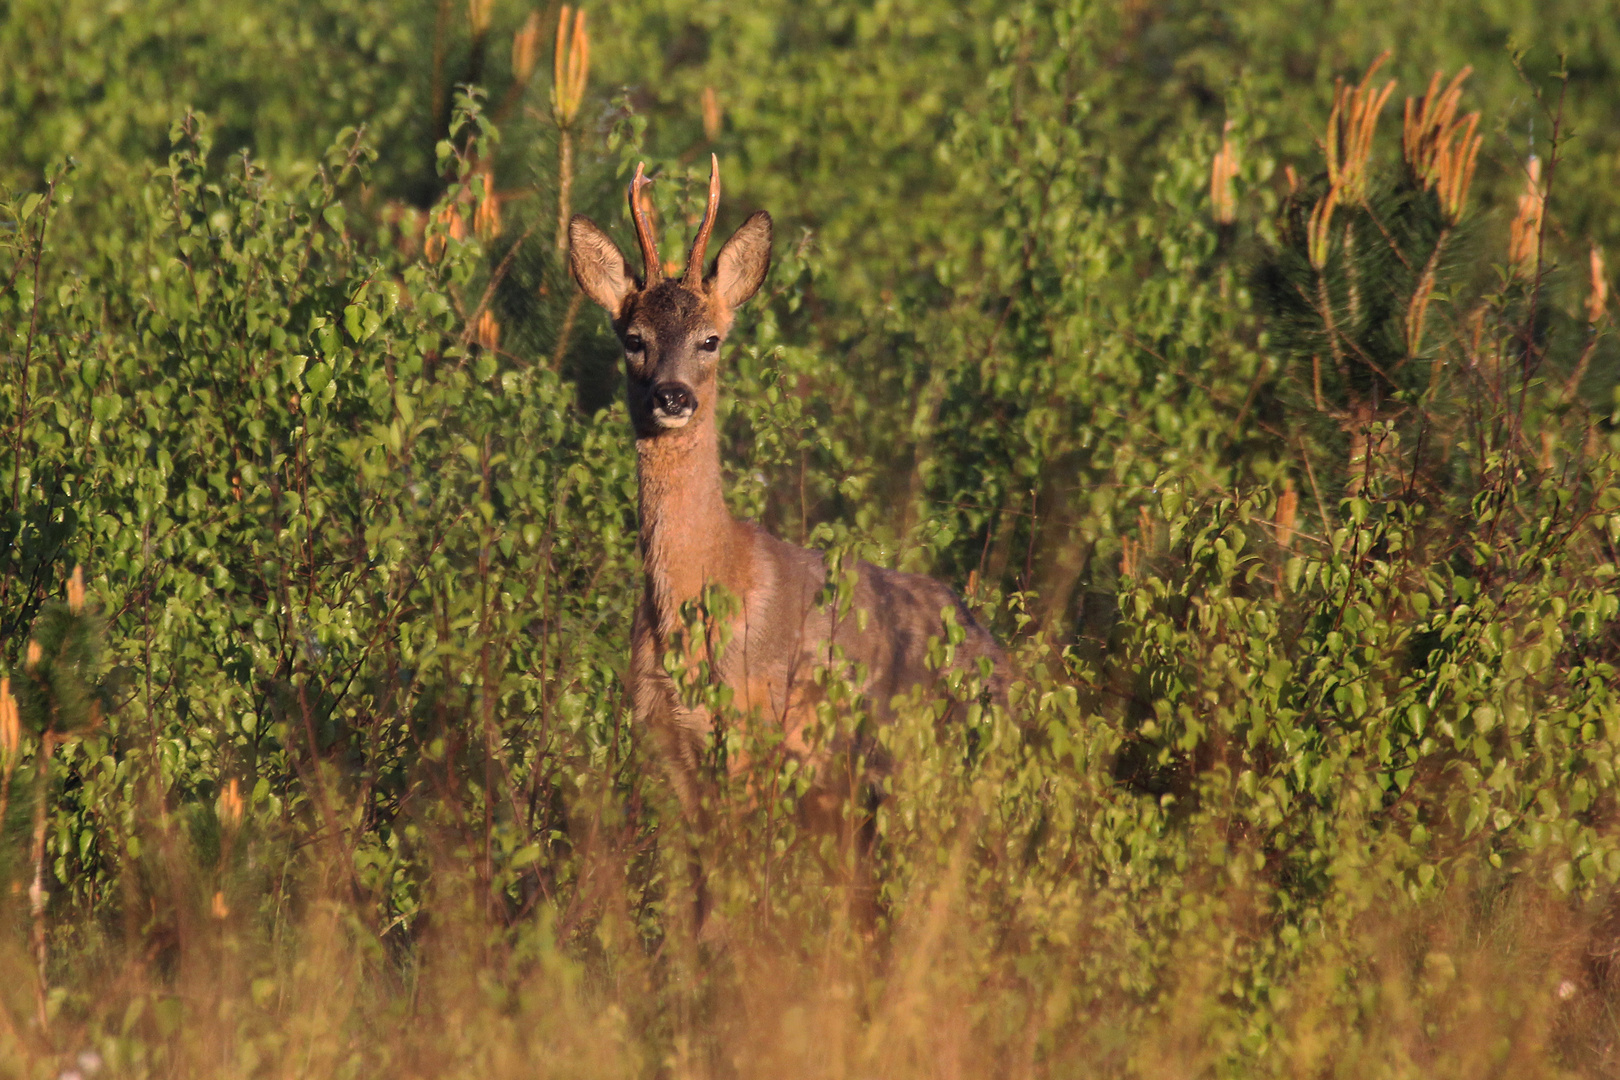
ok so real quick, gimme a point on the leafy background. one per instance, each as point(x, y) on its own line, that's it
point(330, 771)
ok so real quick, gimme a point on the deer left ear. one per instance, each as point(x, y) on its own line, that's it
point(740, 268)
point(597, 265)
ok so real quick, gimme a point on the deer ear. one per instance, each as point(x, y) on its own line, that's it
point(740, 268)
point(597, 265)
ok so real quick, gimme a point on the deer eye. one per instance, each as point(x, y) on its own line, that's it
point(710, 343)
point(633, 343)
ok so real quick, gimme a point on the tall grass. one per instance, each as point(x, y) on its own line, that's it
point(1291, 485)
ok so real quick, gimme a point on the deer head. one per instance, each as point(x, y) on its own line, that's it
point(671, 329)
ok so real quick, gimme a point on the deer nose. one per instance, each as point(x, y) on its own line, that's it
point(674, 400)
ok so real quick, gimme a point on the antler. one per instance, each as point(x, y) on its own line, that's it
point(694, 262)
point(654, 268)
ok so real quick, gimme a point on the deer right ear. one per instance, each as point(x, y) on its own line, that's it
point(597, 265)
point(740, 269)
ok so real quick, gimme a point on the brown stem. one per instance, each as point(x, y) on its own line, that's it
point(565, 186)
point(1417, 311)
point(1350, 271)
point(1316, 492)
point(1324, 307)
point(567, 330)
point(470, 321)
point(1573, 383)
point(1360, 464)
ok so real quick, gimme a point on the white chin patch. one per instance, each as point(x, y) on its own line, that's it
point(670, 423)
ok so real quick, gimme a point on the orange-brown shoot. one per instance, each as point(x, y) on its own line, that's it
point(711, 114)
point(75, 590)
point(1441, 147)
point(231, 804)
point(1129, 556)
point(1524, 235)
point(10, 721)
point(1318, 236)
point(1221, 173)
point(1287, 514)
point(1417, 311)
point(487, 215)
point(1597, 297)
point(1348, 146)
point(570, 66)
point(487, 331)
point(526, 48)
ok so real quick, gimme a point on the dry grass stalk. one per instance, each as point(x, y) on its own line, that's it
point(1221, 173)
point(1524, 235)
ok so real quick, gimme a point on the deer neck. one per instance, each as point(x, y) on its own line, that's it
point(688, 537)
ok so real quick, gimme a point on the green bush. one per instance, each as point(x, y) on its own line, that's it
point(1295, 499)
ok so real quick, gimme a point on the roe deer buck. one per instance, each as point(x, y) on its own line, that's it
point(671, 331)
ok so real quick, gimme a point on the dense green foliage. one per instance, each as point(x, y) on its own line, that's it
point(1304, 540)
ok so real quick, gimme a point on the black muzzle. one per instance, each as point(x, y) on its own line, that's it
point(673, 401)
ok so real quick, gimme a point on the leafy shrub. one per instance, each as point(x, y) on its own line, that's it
point(1291, 486)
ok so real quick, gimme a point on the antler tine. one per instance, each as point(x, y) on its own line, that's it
point(694, 262)
point(654, 271)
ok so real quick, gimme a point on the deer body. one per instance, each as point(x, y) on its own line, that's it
point(778, 633)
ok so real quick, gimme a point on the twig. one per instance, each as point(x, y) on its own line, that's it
point(495, 280)
point(1573, 383)
point(1316, 492)
point(567, 330)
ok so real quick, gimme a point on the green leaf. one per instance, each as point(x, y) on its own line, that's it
point(317, 377)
